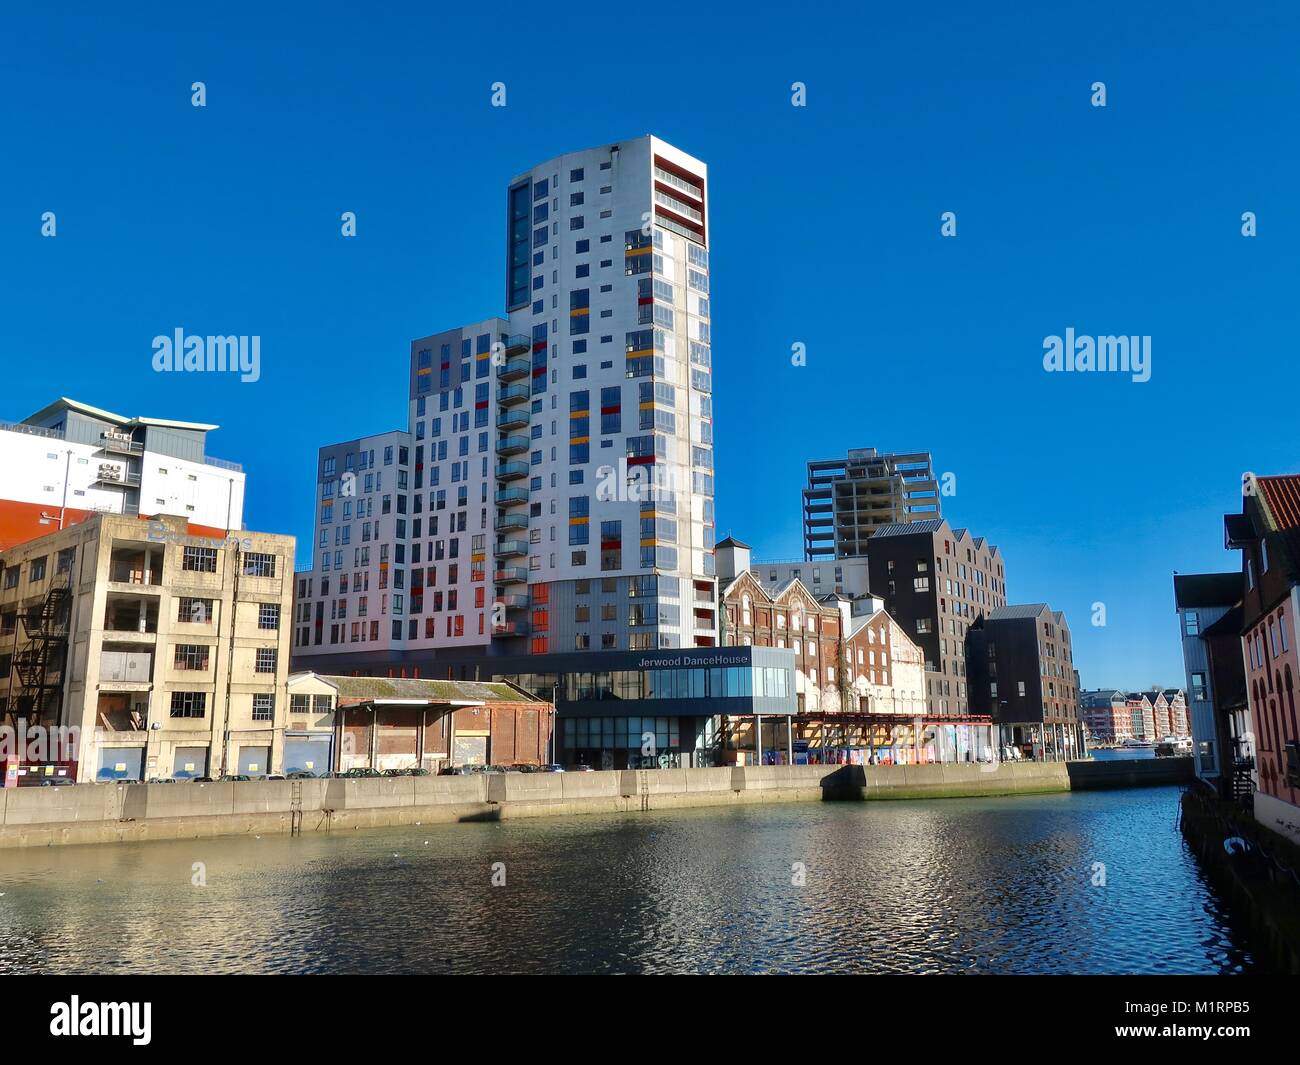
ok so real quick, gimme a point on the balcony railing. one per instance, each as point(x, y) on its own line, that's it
point(512, 471)
point(509, 497)
point(510, 575)
point(510, 549)
point(512, 445)
point(516, 418)
point(513, 601)
point(512, 395)
point(514, 369)
point(512, 521)
point(517, 344)
point(510, 628)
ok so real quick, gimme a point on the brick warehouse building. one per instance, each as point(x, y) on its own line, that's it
point(393, 723)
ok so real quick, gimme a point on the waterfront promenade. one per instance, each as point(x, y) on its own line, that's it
point(108, 813)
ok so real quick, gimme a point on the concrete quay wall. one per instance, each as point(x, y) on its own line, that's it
point(105, 813)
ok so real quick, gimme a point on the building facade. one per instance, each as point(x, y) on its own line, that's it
point(1267, 533)
point(1104, 715)
point(557, 455)
point(848, 499)
point(937, 582)
point(1022, 672)
point(167, 651)
point(70, 461)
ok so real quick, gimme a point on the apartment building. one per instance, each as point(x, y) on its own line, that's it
point(69, 461)
point(937, 582)
point(566, 445)
point(1104, 715)
point(1209, 626)
point(1022, 672)
point(1267, 533)
point(167, 650)
point(848, 499)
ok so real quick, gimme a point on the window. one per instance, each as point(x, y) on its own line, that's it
point(263, 707)
point(192, 656)
point(194, 611)
point(200, 559)
point(36, 569)
point(1191, 623)
point(260, 565)
point(189, 704)
point(268, 616)
point(1198, 687)
point(265, 663)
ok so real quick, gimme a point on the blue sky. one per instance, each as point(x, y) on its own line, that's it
point(825, 231)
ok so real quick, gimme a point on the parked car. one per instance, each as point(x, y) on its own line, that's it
point(580, 768)
point(396, 773)
point(551, 768)
point(56, 782)
point(229, 778)
point(274, 776)
point(417, 771)
point(202, 780)
point(524, 767)
point(462, 770)
point(301, 774)
point(161, 780)
point(361, 771)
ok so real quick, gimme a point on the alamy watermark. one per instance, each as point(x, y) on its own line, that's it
point(1109, 354)
point(180, 353)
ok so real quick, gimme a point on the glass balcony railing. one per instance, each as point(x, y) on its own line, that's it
point(512, 445)
point(507, 497)
point(511, 395)
point(511, 471)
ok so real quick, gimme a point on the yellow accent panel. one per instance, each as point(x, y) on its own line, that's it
point(579, 440)
point(579, 521)
point(579, 413)
point(579, 312)
point(638, 251)
point(641, 353)
point(648, 543)
point(423, 370)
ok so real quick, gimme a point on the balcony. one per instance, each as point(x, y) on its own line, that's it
point(120, 444)
point(509, 497)
point(514, 369)
point(113, 474)
point(511, 575)
point(140, 568)
point(513, 600)
point(512, 445)
point(518, 344)
point(134, 617)
point(512, 521)
point(512, 471)
point(510, 628)
point(510, 549)
point(513, 419)
point(513, 395)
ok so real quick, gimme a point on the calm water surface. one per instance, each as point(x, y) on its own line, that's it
point(974, 885)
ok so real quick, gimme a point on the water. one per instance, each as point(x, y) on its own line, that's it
point(978, 885)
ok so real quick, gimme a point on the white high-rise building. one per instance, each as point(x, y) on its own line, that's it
point(553, 490)
point(608, 280)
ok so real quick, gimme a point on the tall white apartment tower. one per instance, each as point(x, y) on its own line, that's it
point(553, 489)
point(607, 281)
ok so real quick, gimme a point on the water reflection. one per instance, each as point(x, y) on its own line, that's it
point(981, 886)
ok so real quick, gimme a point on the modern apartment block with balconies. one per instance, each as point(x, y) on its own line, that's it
point(848, 499)
point(166, 649)
point(559, 492)
point(69, 461)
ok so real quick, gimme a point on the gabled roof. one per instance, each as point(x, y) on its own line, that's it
point(1193, 590)
point(731, 541)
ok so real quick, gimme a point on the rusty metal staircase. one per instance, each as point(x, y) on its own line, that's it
point(40, 664)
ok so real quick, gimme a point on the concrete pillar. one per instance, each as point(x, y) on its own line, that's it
point(758, 739)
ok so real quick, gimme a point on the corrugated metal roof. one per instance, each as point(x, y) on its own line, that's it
point(1021, 610)
point(364, 688)
point(908, 528)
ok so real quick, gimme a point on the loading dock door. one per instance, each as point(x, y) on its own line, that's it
point(190, 762)
point(470, 750)
point(308, 753)
point(120, 763)
point(254, 761)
